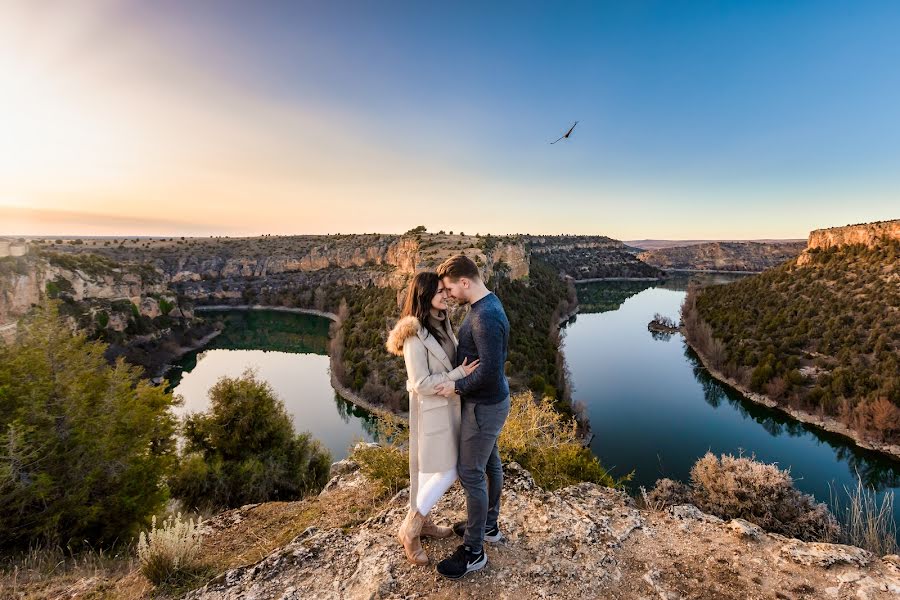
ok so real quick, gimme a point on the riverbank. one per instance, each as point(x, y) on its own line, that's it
point(341, 390)
point(182, 350)
point(601, 279)
point(824, 422)
point(725, 271)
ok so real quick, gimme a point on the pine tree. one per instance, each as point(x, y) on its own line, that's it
point(84, 445)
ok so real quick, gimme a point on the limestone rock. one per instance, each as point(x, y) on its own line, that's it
point(746, 529)
point(867, 234)
point(824, 555)
point(583, 541)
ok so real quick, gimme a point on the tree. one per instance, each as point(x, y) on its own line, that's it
point(244, 450)
point(84, 446)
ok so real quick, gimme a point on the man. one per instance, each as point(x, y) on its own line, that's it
point(484, 336)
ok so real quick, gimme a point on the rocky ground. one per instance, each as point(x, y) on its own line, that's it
point(584, 541)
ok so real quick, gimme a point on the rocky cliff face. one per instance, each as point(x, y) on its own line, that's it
point(867, 234)
point(226, 269)
point(29, 285)
point(590, 257)
point(724, 256)
point(583, 541)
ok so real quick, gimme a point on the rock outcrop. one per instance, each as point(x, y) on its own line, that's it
point(866, 234)
point(584, 541)
point(591, 257)
point(724, 256)
point(21, 289)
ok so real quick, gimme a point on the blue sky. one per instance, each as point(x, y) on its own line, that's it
point(696, 119)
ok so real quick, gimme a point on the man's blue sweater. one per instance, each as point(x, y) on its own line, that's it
point(484, 335)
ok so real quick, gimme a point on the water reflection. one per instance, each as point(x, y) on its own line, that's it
point(655, 409)
point(289, 351)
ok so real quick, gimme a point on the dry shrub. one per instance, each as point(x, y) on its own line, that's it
point(668, 492)
point(385, 464)
point(736, 487)
point(535, 435)
point(547, 444)
point(170, 555)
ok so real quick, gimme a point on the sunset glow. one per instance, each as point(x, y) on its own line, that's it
point(171, 118)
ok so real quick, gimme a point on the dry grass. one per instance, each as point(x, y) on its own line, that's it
point(55, 572)
point(865, 521)
point(235, 538)
point(170, 555)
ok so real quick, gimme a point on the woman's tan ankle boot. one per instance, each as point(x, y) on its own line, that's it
point(429, 529)
point(409, 533)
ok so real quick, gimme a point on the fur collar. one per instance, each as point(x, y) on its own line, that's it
point(405, 328)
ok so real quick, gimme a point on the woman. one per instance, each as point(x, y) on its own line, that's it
point(425, 339)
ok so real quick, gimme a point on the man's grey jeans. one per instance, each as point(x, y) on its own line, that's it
point(479, 467)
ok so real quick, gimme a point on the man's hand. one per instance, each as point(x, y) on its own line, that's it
point(445, 389)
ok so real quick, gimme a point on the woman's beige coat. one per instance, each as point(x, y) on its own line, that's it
point(433, 420)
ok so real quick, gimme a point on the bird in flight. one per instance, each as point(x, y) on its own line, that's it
point(567, 134)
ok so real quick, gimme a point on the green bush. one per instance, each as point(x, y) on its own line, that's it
point(85, 445)
point(244, 450)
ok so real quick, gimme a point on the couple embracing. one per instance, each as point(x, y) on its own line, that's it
point(458, 403)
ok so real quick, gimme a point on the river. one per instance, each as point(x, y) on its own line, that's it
point(654, 410)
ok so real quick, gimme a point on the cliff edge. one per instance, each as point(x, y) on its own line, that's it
point(583, 541)
point(866, 234)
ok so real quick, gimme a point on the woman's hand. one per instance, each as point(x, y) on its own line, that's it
point(469, 367)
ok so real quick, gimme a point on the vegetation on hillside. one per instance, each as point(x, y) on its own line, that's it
point(84, 445)
point(366, 314)
point(821, 337)
point(589, 257)
point(534, 310)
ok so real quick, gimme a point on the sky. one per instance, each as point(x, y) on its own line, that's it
point(696, 120)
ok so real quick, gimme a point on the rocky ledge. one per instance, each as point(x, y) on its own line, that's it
point(584, 541)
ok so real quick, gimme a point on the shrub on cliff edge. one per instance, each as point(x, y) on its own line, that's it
point(84, 446)
point(244, 450)
point(737, 487)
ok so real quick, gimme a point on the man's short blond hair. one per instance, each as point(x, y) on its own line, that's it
point(459, 266)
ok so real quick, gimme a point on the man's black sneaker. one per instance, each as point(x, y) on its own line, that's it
point(461, 562)
point(490, 535)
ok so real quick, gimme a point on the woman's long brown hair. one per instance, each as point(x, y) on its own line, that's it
point(418, 299)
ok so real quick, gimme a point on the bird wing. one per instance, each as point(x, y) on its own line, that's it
point(570, 129)
point(560, 137)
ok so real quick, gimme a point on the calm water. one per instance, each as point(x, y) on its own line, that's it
point(654, 409)
point(290, 352)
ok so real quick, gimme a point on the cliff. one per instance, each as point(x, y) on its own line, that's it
point(583, 541)
point(231, 269)
point(866, 234)
point(723, 256)
point(590, 257)
point(27, 280)
point(818, 335)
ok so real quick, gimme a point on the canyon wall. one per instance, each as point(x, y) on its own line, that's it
point(867, 234)
point(723, 256)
